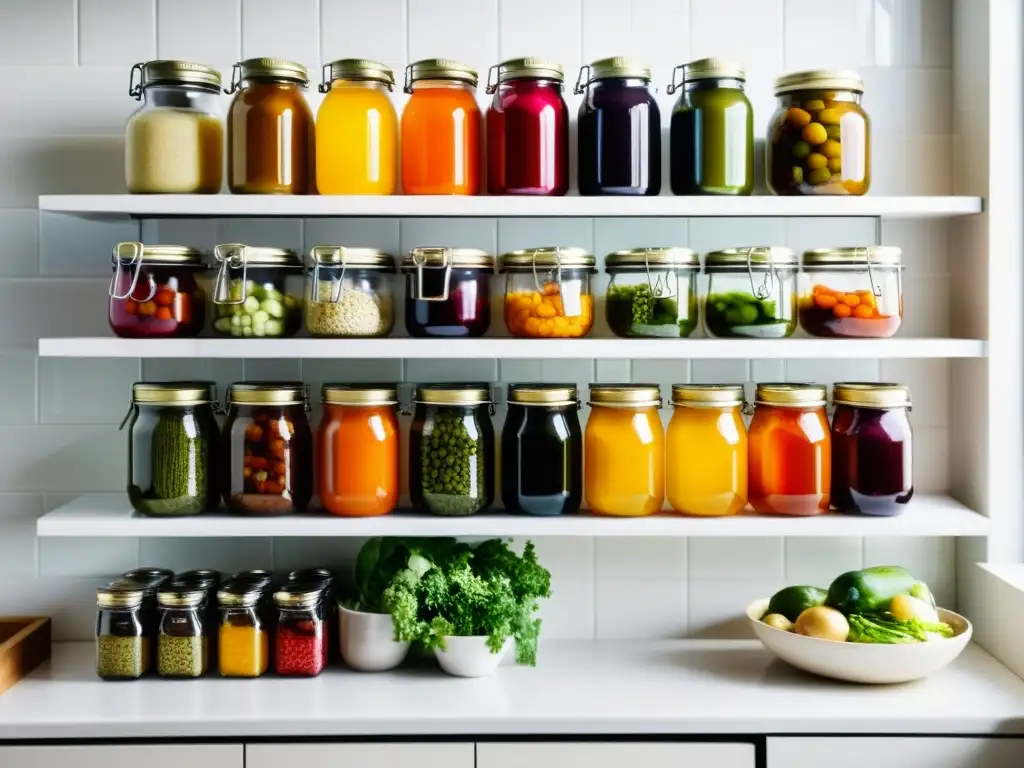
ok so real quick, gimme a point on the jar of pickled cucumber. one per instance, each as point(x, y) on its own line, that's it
point(258, 292)
point(819, 140)
point(751, 293)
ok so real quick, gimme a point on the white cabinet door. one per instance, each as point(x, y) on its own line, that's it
point(127, 756)
point(919, 752)
point(404, 755)
point(614, 755)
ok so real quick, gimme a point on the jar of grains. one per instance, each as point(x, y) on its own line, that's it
point(122, 649)
point(181, 644)
point(349, 292)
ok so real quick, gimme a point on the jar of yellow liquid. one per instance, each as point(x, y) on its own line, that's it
point(357, 130)
point(624, 451)
point(706, 450)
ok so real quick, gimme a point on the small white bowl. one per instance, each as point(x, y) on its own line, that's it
point(367, 641)
point(470, 656)
point(862, 662)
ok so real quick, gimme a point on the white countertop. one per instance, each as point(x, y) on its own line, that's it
point(669, 687)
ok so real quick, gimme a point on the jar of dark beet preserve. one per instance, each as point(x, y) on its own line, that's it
point(542, 450)
point(872, 448)
point(619, 128)
point(447, 291)
point(527, 129)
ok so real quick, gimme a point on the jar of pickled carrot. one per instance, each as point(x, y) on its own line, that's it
point(357, 130)
point(357, 450)
point(440, 129)
point(624, 451)
point(547, 292)
point(706, 450)
point(790, 450)
point(852, 292)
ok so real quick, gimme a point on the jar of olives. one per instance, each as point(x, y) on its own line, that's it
point(653, 292)
point(451, 449)
point(258, 292)
point(819, 140)
point(751, 293)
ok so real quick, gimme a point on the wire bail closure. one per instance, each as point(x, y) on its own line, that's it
point(231, 256)
point(674, 85)
point(491, 87)
point(236, 78)
point(135, 265)
point(336, 281)
point(557, 270)
point(658, 289)
point(764, 290)
point(135, 89)
point(419, 259)
point(876, 290)
point(581, 85)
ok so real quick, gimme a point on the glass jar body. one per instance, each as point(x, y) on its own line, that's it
point(451, 459)
point(466, 312)
point(528, 139)
point(542, 304)
point(712, 140)
point(847, 303)
point(706, 461)
point(733, 309)
point(659, 303)
point(790, 460)
point(542, 460)
point(167, 301)
point(441, 139)
point(819, 143)
point(872, 460)
point(349, 302)
point(244, 643)
point(172, 460)
point(267, 452)
point(299, 650)
point(181, 644)
point(265, 302)
point(624, 461)
point(358, 459)
point(122, 649)
point(619, 126)
point(357, 140)
point(271, 140)
point(174, 142)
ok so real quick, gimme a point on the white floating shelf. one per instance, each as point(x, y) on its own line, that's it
point(506, 349)
point(428, 205)
point(108, 515)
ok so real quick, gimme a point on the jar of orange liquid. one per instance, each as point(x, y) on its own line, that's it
point(790, 450)
point(357, 450)
point(357, 130)
point(440, 129)
point(624, 451)
point(706, 450)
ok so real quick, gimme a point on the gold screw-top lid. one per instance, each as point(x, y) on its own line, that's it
point(820, 79)
point(619, 66)
point(119, 596)
point(440, 69)
point(642, 258)
point(128, 253)
point(791, 395)
point(453, 394)
point(240, 594)
point(174, 72)
point(359, 394)
point(297, 596)
point(436, 256)
point(713, 69)
point(358, 69)
point(547, 258)
point(626, 395)
point(707, 395)
point(180, 596)
point(342, 256)
point(875, 255)
point(871, 395)
point(265, 393)
point(182, 393)
point(757, 257)
point(542, 394)
point(530, 67)
point(273, 69)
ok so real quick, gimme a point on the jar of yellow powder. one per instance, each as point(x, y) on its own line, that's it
point(244, 643)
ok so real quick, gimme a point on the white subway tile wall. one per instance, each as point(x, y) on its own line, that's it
point(68, 64)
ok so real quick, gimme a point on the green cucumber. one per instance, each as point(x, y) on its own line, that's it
point(870, 590)
point(792, 601)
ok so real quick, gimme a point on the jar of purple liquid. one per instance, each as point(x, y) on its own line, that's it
point(448, 292)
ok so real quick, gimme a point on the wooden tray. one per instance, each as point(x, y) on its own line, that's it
point(24, 645)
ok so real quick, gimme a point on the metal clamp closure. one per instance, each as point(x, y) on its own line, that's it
point(659, 290)
point(236, 78)
point(581, 85)
point(876, 290)
point(135, 266)
point(419, 260)
point(407, 86)
point(764, 290)
point(325, 79)
point(135, 89)
point(492, 86)
point(675, 85)
point(231, 256)
point(336, 281)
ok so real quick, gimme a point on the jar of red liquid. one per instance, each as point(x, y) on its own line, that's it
point(789, 450)
point(155, 291)
point(872, 448)
point(852, 292)
point(448, 291)
point(300, 649)
point(527, 129)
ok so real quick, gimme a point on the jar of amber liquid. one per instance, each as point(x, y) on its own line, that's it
point(271, 134)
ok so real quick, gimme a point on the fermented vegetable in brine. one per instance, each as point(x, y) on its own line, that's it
point(742, 314)
point(452, 460)
point(265, 311)
point(634, 310)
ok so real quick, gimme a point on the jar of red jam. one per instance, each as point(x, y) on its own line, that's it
point(527, 129)
point(872, 448)
point(155, 291)
point(448, 291)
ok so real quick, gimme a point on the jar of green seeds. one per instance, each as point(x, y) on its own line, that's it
point(122, 650)
point(451, 449)
point(181, 644)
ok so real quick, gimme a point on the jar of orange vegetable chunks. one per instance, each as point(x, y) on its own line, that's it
point(852, 292)
point(547, 292)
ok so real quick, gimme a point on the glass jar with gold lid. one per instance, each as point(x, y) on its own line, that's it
point(174, 141)
point(172, 448)
point(122, 647)
point(257, 292)
point(267, 449)
point(271, 134)
point(819, 139)
point(751, 292)
point(652, 293)
point(447, 291)
point(349, 292)
point(548, 292)
point(156, 291)
point(852, 292)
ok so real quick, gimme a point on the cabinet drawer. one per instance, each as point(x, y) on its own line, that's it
point(614, 755)
point(455, 755)
point(127, 756)
point(895, 752)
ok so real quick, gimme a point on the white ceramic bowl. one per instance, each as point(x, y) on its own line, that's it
point(470, 656)
point(367, 641)
point(862, 662)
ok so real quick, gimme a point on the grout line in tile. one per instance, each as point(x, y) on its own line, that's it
point(77, 23)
